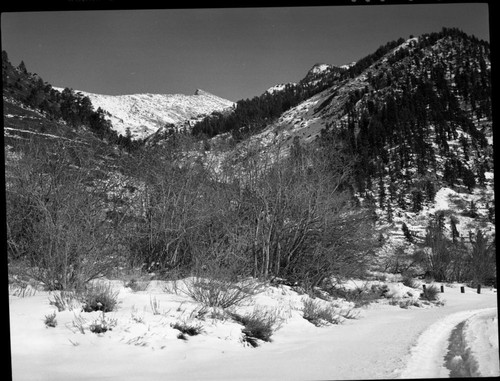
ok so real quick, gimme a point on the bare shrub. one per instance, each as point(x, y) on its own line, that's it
point(187, 329)
point(320, 314)
point(50, 320)
point(258, 325)
point(103, 324)
point(99, 296)
point(360, 296)
point(22, 290)
point(214, 292)
point(64, 300)
point(430, 293)
point(409, 281)
point(56, 216)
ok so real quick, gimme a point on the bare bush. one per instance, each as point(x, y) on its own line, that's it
point(360, 296)
point(258, 325)
point(64, 300)
point(187, 329)
point(321, 314)
point(99, 296)
point(56, 222)
point(50, 320)
point(218, 292)
point(482, 259)
point(430, 293)
point(102, 324)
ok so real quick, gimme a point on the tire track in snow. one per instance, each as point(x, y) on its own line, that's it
point(427, 357)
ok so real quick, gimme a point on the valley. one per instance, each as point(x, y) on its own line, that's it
point(189, 236)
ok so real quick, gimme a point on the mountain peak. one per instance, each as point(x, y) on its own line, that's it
point(319, 67)
point(201, 92)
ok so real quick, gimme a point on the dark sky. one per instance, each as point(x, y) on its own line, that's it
point(234, 53)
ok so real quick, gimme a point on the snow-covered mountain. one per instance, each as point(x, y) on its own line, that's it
point(144, 114)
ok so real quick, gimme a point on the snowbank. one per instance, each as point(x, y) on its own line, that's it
point(481, 334)
point(427, 356)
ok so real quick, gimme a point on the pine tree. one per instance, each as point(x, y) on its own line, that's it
point(417, 199)
point(407, 233)
point(401, 201)
point(454, 231)
point(381, 192)
point(465, 146)
point(22, 67)
point(430, 190)
point(468, 179)
point(472, 211)
point(390, 213)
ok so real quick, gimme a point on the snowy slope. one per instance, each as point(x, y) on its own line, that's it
point(144, 114)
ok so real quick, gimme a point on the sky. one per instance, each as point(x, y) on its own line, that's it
point(235, 53)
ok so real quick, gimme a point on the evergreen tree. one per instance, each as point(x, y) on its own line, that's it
point(22, 67)
point(454, 231)
point(468, 179)
point(407, 233)
point(472, 211)
point(381, 192)
point(401, 200)
point(390, 213)
point(417, 199)
point(430, 190)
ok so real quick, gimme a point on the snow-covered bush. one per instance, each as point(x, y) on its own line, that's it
point(50, 320)
point(258, 325)
point(409, 281)
point(99, 296)
point(103, 324)
point(187, 329)
point(321, 314)
point(398, 291)
point(64, 300)
point(22, 290)
point(405, 303)
point(360, 296)
point(430, 293)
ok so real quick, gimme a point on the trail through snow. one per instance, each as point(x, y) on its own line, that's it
point(427, 356)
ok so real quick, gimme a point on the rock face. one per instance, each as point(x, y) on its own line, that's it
point(144, 114)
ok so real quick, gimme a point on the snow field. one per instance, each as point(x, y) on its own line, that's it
point(142, 345)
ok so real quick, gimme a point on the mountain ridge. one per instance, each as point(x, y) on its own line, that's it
point(143, 114)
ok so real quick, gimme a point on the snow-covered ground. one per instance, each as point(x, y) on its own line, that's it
point(384, 341)
point(426, 360)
